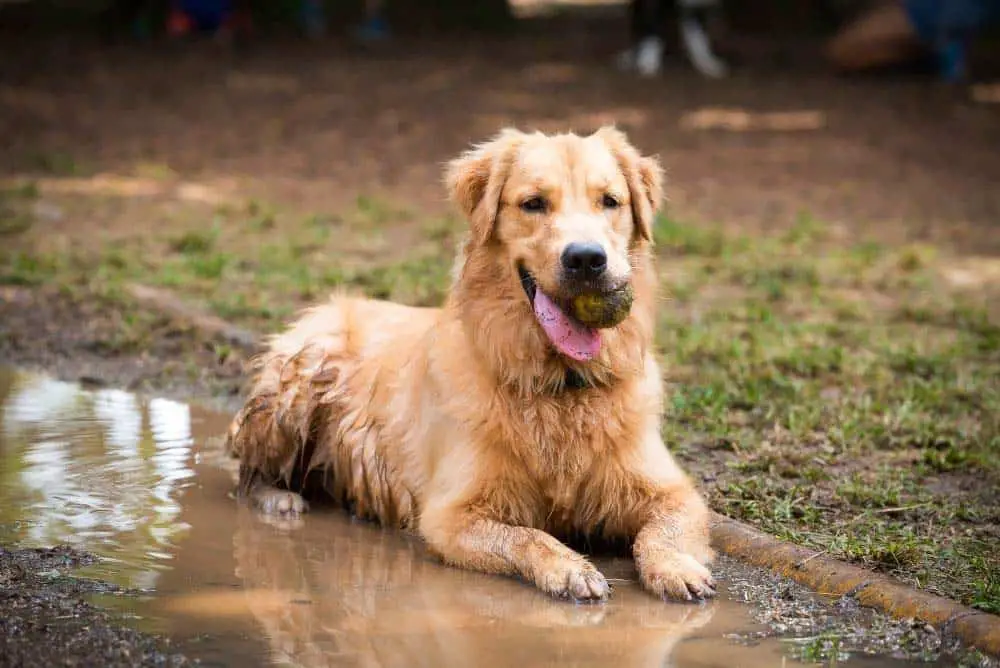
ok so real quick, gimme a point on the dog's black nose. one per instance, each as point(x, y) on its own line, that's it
point(584, 260)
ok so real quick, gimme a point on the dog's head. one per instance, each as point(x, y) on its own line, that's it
point(567, 217)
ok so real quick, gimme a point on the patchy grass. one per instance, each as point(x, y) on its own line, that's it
point(841, 397)
point(254, 263)
point(844, 397)
point(55, 163)
point(16, 215)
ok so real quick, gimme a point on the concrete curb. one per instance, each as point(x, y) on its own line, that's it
point(829, 576)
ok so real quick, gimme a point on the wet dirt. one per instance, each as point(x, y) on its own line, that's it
point(47, 622)
point(125, 547)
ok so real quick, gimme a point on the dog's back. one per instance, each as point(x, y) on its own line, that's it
point(312, 381)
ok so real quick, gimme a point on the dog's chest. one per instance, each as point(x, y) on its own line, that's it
point(562, 440)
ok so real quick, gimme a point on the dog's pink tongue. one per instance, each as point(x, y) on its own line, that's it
point(570, 337)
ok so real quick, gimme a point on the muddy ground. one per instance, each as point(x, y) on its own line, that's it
point(847, 245)
point(47, 622)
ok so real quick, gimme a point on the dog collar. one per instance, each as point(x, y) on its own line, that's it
point(575, 380)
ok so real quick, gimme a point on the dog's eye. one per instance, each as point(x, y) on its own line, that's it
point(534, 205)
point(609, 202)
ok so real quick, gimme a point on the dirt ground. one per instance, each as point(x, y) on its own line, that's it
point(46, 622)
point(252, 182)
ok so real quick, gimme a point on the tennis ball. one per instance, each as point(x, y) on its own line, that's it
point(603, 310)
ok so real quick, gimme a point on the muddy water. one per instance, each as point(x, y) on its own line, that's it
point(140, 483)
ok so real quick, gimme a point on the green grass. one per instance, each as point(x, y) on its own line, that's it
point(839, 396)
point(55, 163)
point(16, 215)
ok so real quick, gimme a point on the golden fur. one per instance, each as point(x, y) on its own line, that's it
point(458, 422)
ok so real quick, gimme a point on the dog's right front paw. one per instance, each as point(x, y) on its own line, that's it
point(578, 581)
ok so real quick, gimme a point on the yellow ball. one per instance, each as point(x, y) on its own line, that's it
point(602, 311)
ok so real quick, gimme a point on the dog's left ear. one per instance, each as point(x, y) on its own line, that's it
point(475, 181)
point(644, 176)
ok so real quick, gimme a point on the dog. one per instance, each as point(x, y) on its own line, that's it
point(499, 423)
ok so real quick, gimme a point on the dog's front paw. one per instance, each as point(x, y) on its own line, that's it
point(679, 577)
point(577, 580)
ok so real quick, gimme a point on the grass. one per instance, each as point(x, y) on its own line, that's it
point(844, 397)
point(16, 215)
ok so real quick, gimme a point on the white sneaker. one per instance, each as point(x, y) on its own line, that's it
point(699, 50)
point(649, 56)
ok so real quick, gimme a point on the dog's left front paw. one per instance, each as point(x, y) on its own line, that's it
point(680, 578)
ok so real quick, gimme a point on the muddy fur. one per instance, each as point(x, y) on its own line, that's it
point(458, 423)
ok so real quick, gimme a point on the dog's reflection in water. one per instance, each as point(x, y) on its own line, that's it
point(335, 592)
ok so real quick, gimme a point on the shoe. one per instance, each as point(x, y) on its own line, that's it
point(699, 50)
point(649, 57)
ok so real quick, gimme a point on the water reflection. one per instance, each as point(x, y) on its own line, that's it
point(335, 592)
point(342, 594)
point(98, 470)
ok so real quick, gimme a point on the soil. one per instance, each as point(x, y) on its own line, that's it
point(47, 622)
point(45, 329)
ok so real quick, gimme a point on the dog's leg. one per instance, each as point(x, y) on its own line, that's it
point(466, 497)
point(670, 523)
point(462, 538)
point(671, 549)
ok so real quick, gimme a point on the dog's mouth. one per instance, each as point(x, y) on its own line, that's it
point(569, 336)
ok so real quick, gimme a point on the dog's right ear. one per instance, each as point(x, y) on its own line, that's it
point(475, 181)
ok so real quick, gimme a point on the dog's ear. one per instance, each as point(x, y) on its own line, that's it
point(643, 175)
point(476, 178)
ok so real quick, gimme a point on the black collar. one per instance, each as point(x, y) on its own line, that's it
point(575, 380)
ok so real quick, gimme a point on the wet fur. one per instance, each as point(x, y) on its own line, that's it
point(457, 422)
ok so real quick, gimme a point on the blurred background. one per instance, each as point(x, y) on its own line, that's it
point(846, 109)
point(829, 254)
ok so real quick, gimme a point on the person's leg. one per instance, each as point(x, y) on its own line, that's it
point(648, 19)
point(374, 27)
point(694, 19)
point(313, 17)
point(948, 26)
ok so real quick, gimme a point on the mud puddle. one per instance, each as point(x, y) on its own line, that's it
point(139, 483)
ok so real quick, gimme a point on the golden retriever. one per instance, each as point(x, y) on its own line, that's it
point(498, 422)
